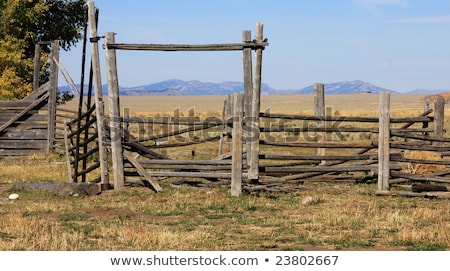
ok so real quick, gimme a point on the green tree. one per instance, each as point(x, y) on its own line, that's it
point(23, 23)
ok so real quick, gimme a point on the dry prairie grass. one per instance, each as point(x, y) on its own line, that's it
point(209, 219)
point(417, 168)
point(341, 217)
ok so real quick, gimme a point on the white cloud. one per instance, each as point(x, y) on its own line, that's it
point(423, 20)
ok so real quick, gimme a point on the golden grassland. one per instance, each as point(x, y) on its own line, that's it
point(343, 216)
point(345, 104)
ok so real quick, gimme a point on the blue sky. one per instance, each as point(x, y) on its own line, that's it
point(396, 44)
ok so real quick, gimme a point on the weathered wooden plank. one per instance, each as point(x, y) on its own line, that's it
point(419, 145)
point(37, 92)
point(189, 47)
point(429, 188)
point(218, 175)
point(316, 145)
point(185, 167)
point(27, 118)
point(420, 161)
point(23, 112)
point(142, 171)
point(23, 144)
point(25, 135)
point(12, 112)
point(185, 162)
point(320, 157)
point(13, 105)
point(420, 137)
point(420, 178)
point(318, 169)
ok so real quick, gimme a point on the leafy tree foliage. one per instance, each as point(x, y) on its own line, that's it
point(23, 23)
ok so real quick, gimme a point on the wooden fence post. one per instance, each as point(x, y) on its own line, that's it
point(37, 65)
point(114, 113)
point(53, 93)
point(253, 170)
point(230, 107)
point(319, 111)
point(236, 158)
point(248, 90)
point(383, 142)
point(438, 130)
point(99, 106)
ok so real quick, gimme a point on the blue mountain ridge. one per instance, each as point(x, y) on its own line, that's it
point(177, 87)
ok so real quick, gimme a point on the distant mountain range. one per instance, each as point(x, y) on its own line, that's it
point(176, 87)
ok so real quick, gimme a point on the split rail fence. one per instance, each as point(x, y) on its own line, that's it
point(263, 150)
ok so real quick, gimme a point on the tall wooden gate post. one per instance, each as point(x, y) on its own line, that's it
point(53, 93)
point(248, 90)
point(114, 113)
point(236, 158)
point(253, 171)
point(99, 106)
point(383, 142)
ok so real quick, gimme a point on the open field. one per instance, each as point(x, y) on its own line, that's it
point(349, 104)
point(342, 216)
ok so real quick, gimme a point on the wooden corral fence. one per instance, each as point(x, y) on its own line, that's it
point(321, 147)
point(252, 82)
point(112, 138)
point(28, 125)
point(257, 151)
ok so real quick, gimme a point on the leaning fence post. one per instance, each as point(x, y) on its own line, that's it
point(114, 113)
point(438, 130)
point(236, 158)
point(383, 142)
